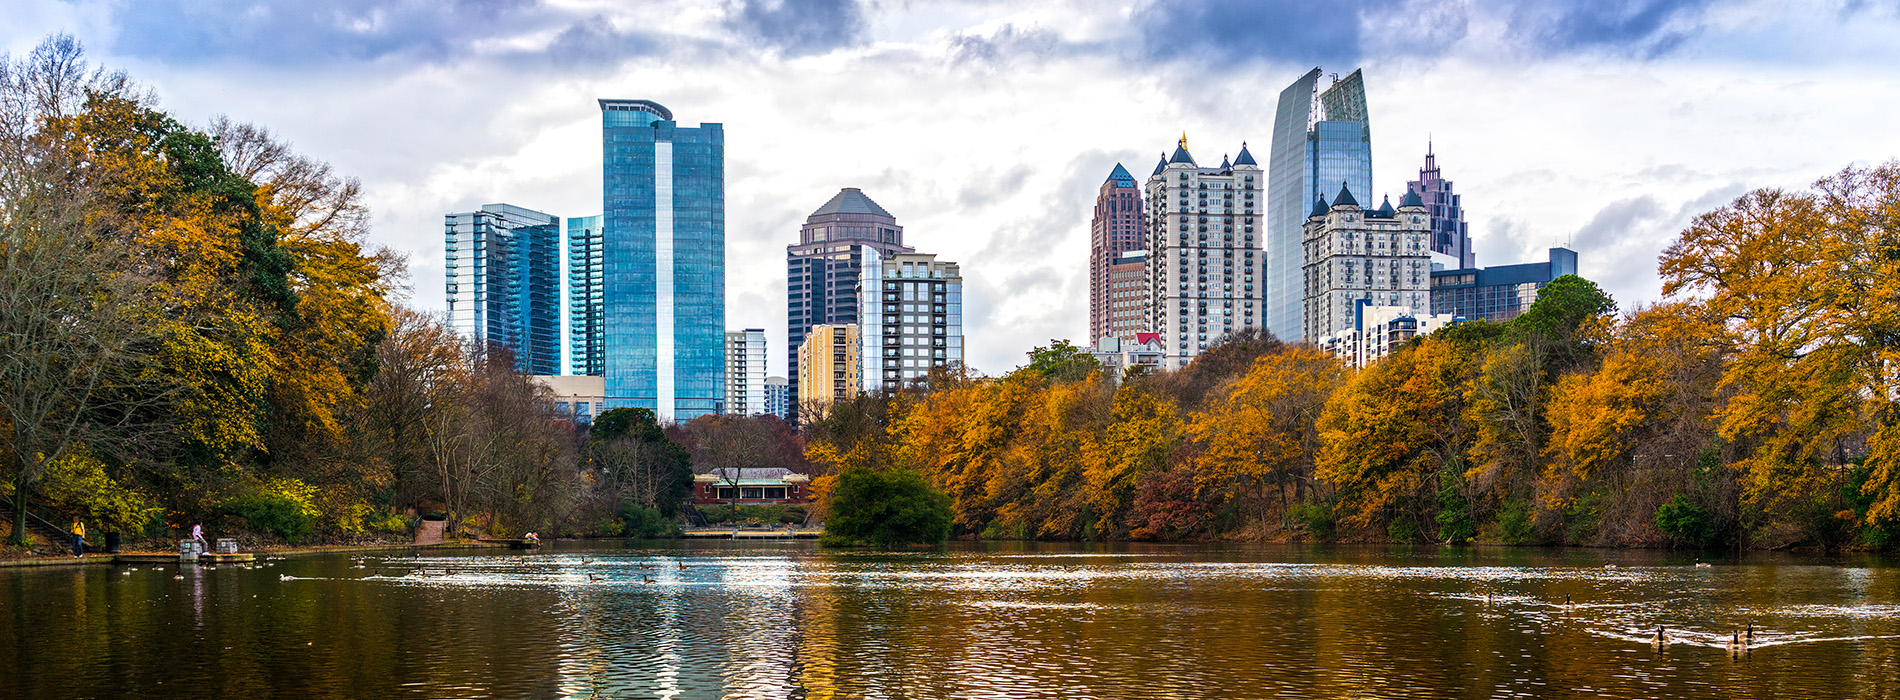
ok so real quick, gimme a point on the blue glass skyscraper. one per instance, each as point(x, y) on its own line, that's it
point(1321, 141)
point(503, 275)
point(663, 250)
point(586, 278)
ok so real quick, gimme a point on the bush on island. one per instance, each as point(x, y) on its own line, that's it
point(885, 508)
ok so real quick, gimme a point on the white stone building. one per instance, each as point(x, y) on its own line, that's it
point(1358, 258)
point(1205, 232)
point(1379, 331)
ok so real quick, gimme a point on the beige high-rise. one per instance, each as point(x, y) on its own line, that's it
point(829, 363)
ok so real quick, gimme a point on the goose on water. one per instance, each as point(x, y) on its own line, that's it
point(1659, 639)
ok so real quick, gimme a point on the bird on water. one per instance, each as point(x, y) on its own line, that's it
point(1659, 639)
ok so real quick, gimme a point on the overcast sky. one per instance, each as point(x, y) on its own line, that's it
point(985, 127)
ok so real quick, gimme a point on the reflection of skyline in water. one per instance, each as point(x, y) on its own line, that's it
point(784, 620)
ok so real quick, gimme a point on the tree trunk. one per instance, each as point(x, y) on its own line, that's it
point(18, 538)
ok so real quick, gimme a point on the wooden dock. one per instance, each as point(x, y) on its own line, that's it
point(206, 558)
point(740, 533)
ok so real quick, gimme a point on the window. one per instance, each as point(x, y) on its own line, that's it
point(775, 492)
point(728, 493)
point(751, 492)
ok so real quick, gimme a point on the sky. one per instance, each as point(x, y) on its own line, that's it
point(986, 127)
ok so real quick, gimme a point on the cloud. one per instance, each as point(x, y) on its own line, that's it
point(800, 27)
point(1646, 28)
point(1238, 31)
point(302, 33)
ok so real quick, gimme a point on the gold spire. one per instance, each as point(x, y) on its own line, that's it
point(1184, 139)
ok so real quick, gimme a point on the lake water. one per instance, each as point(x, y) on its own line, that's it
point(1013, 620)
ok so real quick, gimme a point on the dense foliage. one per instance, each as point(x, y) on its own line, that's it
point(1754, 406)
point(885, 508)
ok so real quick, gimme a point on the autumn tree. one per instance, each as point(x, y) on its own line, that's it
point(1804, 283)
point(1260, 435)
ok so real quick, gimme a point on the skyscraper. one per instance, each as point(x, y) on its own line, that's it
point(1205, 263)
point(1128, 296)
point(1118, 227)
point(586, 336)
point(1450, 234)
point(745, 372)
point(776, 397)
point(1358, 258)
point(828, 364)
point(823, 268)
point(912, 317)
point(503, 272)
point(1321, 141)
point(663, 249)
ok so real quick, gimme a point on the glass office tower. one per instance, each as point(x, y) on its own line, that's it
point(822, 269)
point(503, 275)
point(586, 337)
point(663, 249)
point(1321, 141)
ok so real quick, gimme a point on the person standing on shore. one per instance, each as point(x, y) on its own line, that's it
point(198, 535)
point(79, 538)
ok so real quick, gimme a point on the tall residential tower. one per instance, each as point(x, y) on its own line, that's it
point(503, 279)
point(663, 248)
point(1205, 262)
point(1118, 227)
point(1321, 141)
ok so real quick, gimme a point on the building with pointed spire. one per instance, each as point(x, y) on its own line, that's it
point(823, 268)
point(1118, 227)
point(1205, 262)
point(1321, 138)
point(1358, 258)
point(1450, 234)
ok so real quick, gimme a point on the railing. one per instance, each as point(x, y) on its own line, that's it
point(34, 520)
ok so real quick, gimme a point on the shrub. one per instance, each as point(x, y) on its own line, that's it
point(1317, 518)
point(1403, 529)
point(282, 507)
point(1514, 524)
point(1454, 519)
point(886, 509)
point(1685, 521)
point(646, 523)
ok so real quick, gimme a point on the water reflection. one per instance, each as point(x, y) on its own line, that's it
point(775, 620)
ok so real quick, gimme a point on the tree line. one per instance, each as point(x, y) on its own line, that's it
point(194, 329)
point(1752, 406)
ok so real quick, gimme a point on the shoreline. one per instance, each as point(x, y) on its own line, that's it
point(100, 559)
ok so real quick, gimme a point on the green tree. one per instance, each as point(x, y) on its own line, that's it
point(885, 508)
point(1061, 362)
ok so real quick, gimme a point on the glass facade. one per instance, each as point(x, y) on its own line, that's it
point(503, 275)
point(912, 313)
point(663, 254)
point(1321, 140)
point(585, 312)
point(1500, 292)
point(745, 372)
point(822, 269)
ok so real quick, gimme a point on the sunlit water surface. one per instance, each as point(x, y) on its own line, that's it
point(785, 620)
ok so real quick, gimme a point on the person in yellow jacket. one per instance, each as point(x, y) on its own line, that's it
point(79, 538)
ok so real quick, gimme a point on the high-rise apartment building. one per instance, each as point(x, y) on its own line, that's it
point(777, 397)
point(1321, 141)
point(663, 248)
point(1357, 258)
point(503, 273)
point(1499, 292)
point(823, 268)
point(1450, 234)
point(586, 313)
point(828, 365)
point(1119, 226)
point(1205, 264)
point(1127, 296)
point(912, 318)
point(745, 372)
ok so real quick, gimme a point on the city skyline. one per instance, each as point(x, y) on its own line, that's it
point(1652, 108)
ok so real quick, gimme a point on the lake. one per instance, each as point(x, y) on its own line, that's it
point(724, 619)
